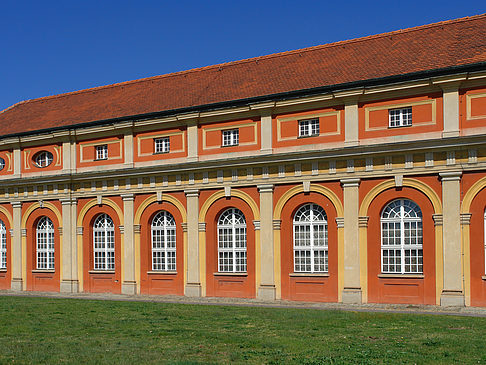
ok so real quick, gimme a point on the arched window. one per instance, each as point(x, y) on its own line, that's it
point(232, 241)
point(310, 239)
point(45, 244)
point(163, 242)
point(485, 240)
point(3, 246)
point(104, 243)
point(401, 238)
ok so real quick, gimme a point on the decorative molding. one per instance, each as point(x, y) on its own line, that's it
point(178, 179)
point(191, 193)
point(60, 230)
point(297, 170)
point(256, 224)
point(220, 176)
point(160, 196)
point(398, 181)
point(227, 191)
point(369, 164)
point(265, 173)
point(332, 166)
point(451, 158)
point(205, 177)
point(79, 231)
point(122, 229)
point(438, 219)
point(249, 173)
point(388, 163)
point(137, 228)
point(306, 186)
point(281, 171)
point(465, 219)
point(450, 176)
point(234, 175)
point(315, 168)
point(128, 197)
point(350, 183)
point(340, 222)
point(201, 226)
point(277, 223)
point(184, 226)
point(350, 165)
point(363, 221)
point(265, 188)
point(409, 161)
point(23, 232)
point(473, 156)
point(429, 159)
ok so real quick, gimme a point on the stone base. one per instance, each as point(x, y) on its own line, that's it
point(192, 290)
point(129, 288)
point(351, 296)
point(266, 292)
point(17, 284)
point(450, 298)
point(450, 134)
point(69, 286)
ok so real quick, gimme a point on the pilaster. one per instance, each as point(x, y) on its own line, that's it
point(69, 284)
point(129, 284)
point(17, 279)
point(266, 131)
point(266, 290)
point(451, 109)
point(351, 121)
point(192, 143)
point(128, 142)
point(351, 280)
point(193, 284)
point(453, 291)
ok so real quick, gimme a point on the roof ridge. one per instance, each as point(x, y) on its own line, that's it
point(252, 59)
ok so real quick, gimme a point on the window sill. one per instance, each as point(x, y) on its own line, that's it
point(3, 270)
point(230, 274)
point(230, 145)
point(101, 271)
point(401, 276)
point(309, 274)
point(309, 136)
point(100, 159)
point(161, 153)
point(399, 126)
point(43, 271)
point(483, 277)
point(160, 272)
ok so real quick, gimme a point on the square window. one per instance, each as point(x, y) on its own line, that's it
point(162, 145)
point(231, 137)
point(400, 117)
point(102, 152)
point(309, 127)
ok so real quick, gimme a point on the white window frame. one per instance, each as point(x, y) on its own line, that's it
point(162, 145)
point(45, 244)
point(405, 218)
point(232, 259)
point(231, 137)
point(43, 159)
point(400, 117)
point(103, 243)
point(101, 152)
point(309, 127)
point(310, 239)
point(164, 242)
point(3, 246)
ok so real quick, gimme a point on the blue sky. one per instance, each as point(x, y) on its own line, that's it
point(52, 47)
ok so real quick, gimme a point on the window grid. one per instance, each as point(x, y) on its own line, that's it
point(162, 145)
point(163, 242)
point(231, 137)
point(401, 238)
point(104, 243)
point(400, 117)
point(309, 127)
point(45, 244)
point(310, 239)
point(102, 152)
point(232, 241)
point(2, 163)
point(43, 159)
point(3, 246)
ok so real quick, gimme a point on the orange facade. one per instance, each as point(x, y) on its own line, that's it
point(6, 274)
point(145, 150)
point(86, 152)
point(472, 109)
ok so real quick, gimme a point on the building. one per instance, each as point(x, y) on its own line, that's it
point(350, 172)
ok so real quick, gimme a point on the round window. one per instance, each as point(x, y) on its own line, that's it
point(2, 163)
point(43, 159)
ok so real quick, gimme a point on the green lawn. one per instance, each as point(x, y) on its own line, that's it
point(53, 331)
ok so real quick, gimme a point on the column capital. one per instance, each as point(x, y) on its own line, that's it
point(68, 201)
point(438, 219)
point(465, 219)
point(128, 197)
point(340, 222)
point(265, 188)
point(350, 183)
point(16, 204)
point(191, 193)
point(201, 226)
point(450, 175)
point(363, 221)
point(256, 225)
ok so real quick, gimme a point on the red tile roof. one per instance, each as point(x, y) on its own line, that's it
point(446, 44)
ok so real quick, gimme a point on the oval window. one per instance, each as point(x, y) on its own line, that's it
point(43, 159)
point(2, 163)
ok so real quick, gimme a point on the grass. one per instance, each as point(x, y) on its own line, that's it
point(56, 331)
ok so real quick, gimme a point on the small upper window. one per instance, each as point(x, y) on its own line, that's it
point(162, 145)
point(309, 127)
point(2, 163)
point(231, 137)
point(400, 117)
point(102, 152)
point(43, 159)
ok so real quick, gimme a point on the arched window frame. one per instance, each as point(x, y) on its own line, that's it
point(3, 246)
point(232, 255)
point(103, 243)
point(401, 238)
point(45, 244)
point(164, 243)
point(310, 239)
